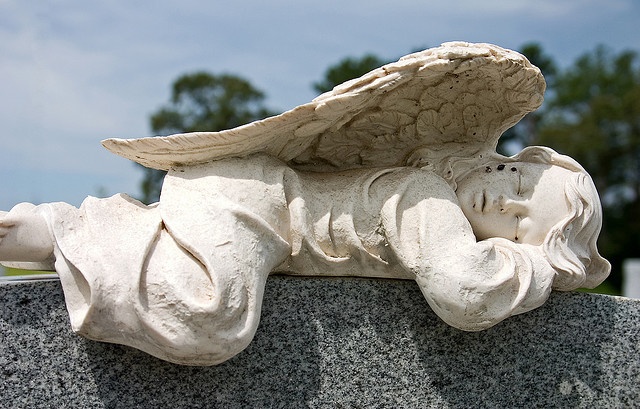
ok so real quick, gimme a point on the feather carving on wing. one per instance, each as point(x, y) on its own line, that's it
point(457, 98)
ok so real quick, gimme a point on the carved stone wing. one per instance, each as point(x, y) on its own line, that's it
point(459, 97)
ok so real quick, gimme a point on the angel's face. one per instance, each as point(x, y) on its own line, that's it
point(519, 201)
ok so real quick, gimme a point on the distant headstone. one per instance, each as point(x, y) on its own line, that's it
point(335, 342)
point(631, 284)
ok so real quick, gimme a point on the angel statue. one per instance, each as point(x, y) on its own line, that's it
point(394, 174)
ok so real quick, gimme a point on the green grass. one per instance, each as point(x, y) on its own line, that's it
point(604, 288)
point(17, 272)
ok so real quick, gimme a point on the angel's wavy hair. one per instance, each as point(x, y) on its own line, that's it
point(570, 245)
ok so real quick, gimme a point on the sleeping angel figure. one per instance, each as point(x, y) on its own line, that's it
point(394, 174)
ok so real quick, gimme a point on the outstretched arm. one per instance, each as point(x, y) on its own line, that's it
point(24, 235)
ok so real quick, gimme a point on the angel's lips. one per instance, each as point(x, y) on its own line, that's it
point(479, 201)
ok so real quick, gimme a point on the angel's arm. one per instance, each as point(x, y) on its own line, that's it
point(470, 285)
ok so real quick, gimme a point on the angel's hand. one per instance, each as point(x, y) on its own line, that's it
point(5, 224)
point(24, 235)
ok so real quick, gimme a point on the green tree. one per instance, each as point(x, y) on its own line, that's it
point(592, 113)
point(538, 57)
point(203, 102)
point(594, 116)
point(523, 134)
point(347, 69)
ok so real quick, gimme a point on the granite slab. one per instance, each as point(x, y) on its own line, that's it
point(335, 342)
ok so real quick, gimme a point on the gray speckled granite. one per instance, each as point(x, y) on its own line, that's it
point(335, 343)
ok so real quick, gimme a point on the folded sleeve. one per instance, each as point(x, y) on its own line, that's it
point(470, 285)
point(132, 278)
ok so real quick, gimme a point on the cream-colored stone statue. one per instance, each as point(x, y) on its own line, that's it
point(394, 175)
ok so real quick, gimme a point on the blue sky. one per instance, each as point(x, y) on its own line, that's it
point(75, 72)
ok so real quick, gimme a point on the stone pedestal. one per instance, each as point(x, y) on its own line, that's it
point(329, 343)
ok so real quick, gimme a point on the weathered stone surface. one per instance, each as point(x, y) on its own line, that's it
point(333, 342)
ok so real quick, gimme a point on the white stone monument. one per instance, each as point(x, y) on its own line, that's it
point(391, 175)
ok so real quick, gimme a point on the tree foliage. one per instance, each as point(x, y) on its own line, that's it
point(203, 102)
point(347, 69)
point(594, 116)
point(521, 135)
point(592, 113)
